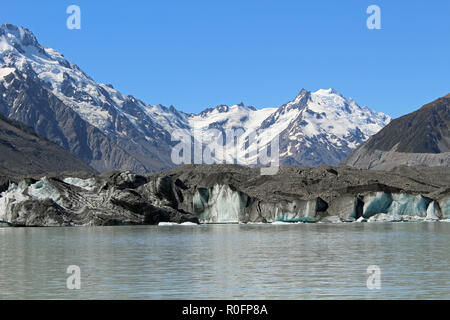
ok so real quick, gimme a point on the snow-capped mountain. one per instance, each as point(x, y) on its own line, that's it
point(322, 127)
point(315, 128)
point(110, 130)
point(126, 135)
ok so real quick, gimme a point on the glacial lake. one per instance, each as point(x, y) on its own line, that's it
point(300, 261)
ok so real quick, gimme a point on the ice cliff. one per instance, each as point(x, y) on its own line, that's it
point(227, 194)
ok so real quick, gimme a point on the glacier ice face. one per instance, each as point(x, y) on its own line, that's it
point(378, 202)
point(400, 204)
point(434, 211)
point(444, 204)
point(220, 204)
point(43, 189)
point(406, 204)
point(295, 211)
point(14, 194)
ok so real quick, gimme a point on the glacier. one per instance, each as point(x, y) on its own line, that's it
point(444, 204)
point(42, 190)
point(212, 194)
point(16, 194)
point(401, 204)
point(405, 204)
point(378, 202)
point(221, 204)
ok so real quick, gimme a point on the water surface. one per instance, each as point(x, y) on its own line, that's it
point(301, 261)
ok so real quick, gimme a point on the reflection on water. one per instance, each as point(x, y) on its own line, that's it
point(301, 261)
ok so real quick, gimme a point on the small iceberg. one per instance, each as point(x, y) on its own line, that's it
point(360, 220)
point(188, 224)
point(162, 224)
point(4, 224)
point(282, 222)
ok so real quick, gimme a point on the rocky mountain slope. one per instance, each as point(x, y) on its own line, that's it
point(110, 130)
point(421, 138)
point(99, 125)
point(228, 194)
point(23, 152)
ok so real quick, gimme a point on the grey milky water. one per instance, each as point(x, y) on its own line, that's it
point(301, 261)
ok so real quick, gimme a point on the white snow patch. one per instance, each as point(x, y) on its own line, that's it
point(86, 184)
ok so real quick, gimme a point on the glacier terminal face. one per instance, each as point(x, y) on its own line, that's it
point(219, 205)
point(434, 211)
point(222, 204)
point(444, 204)
point(405, 204)
point(226, 194)
point(378, 202)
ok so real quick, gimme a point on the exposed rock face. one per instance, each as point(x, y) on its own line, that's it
point(385, 160)
point(23, 152)
point(26, 99)
point(421, 138)
point(228, 194)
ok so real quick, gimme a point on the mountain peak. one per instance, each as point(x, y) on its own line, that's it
point(18, 35)
point(328, 92)
point(301, 94)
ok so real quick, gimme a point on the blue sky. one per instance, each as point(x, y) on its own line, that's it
point(198, 54)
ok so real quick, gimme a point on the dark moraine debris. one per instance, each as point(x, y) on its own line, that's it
point(226, 194)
